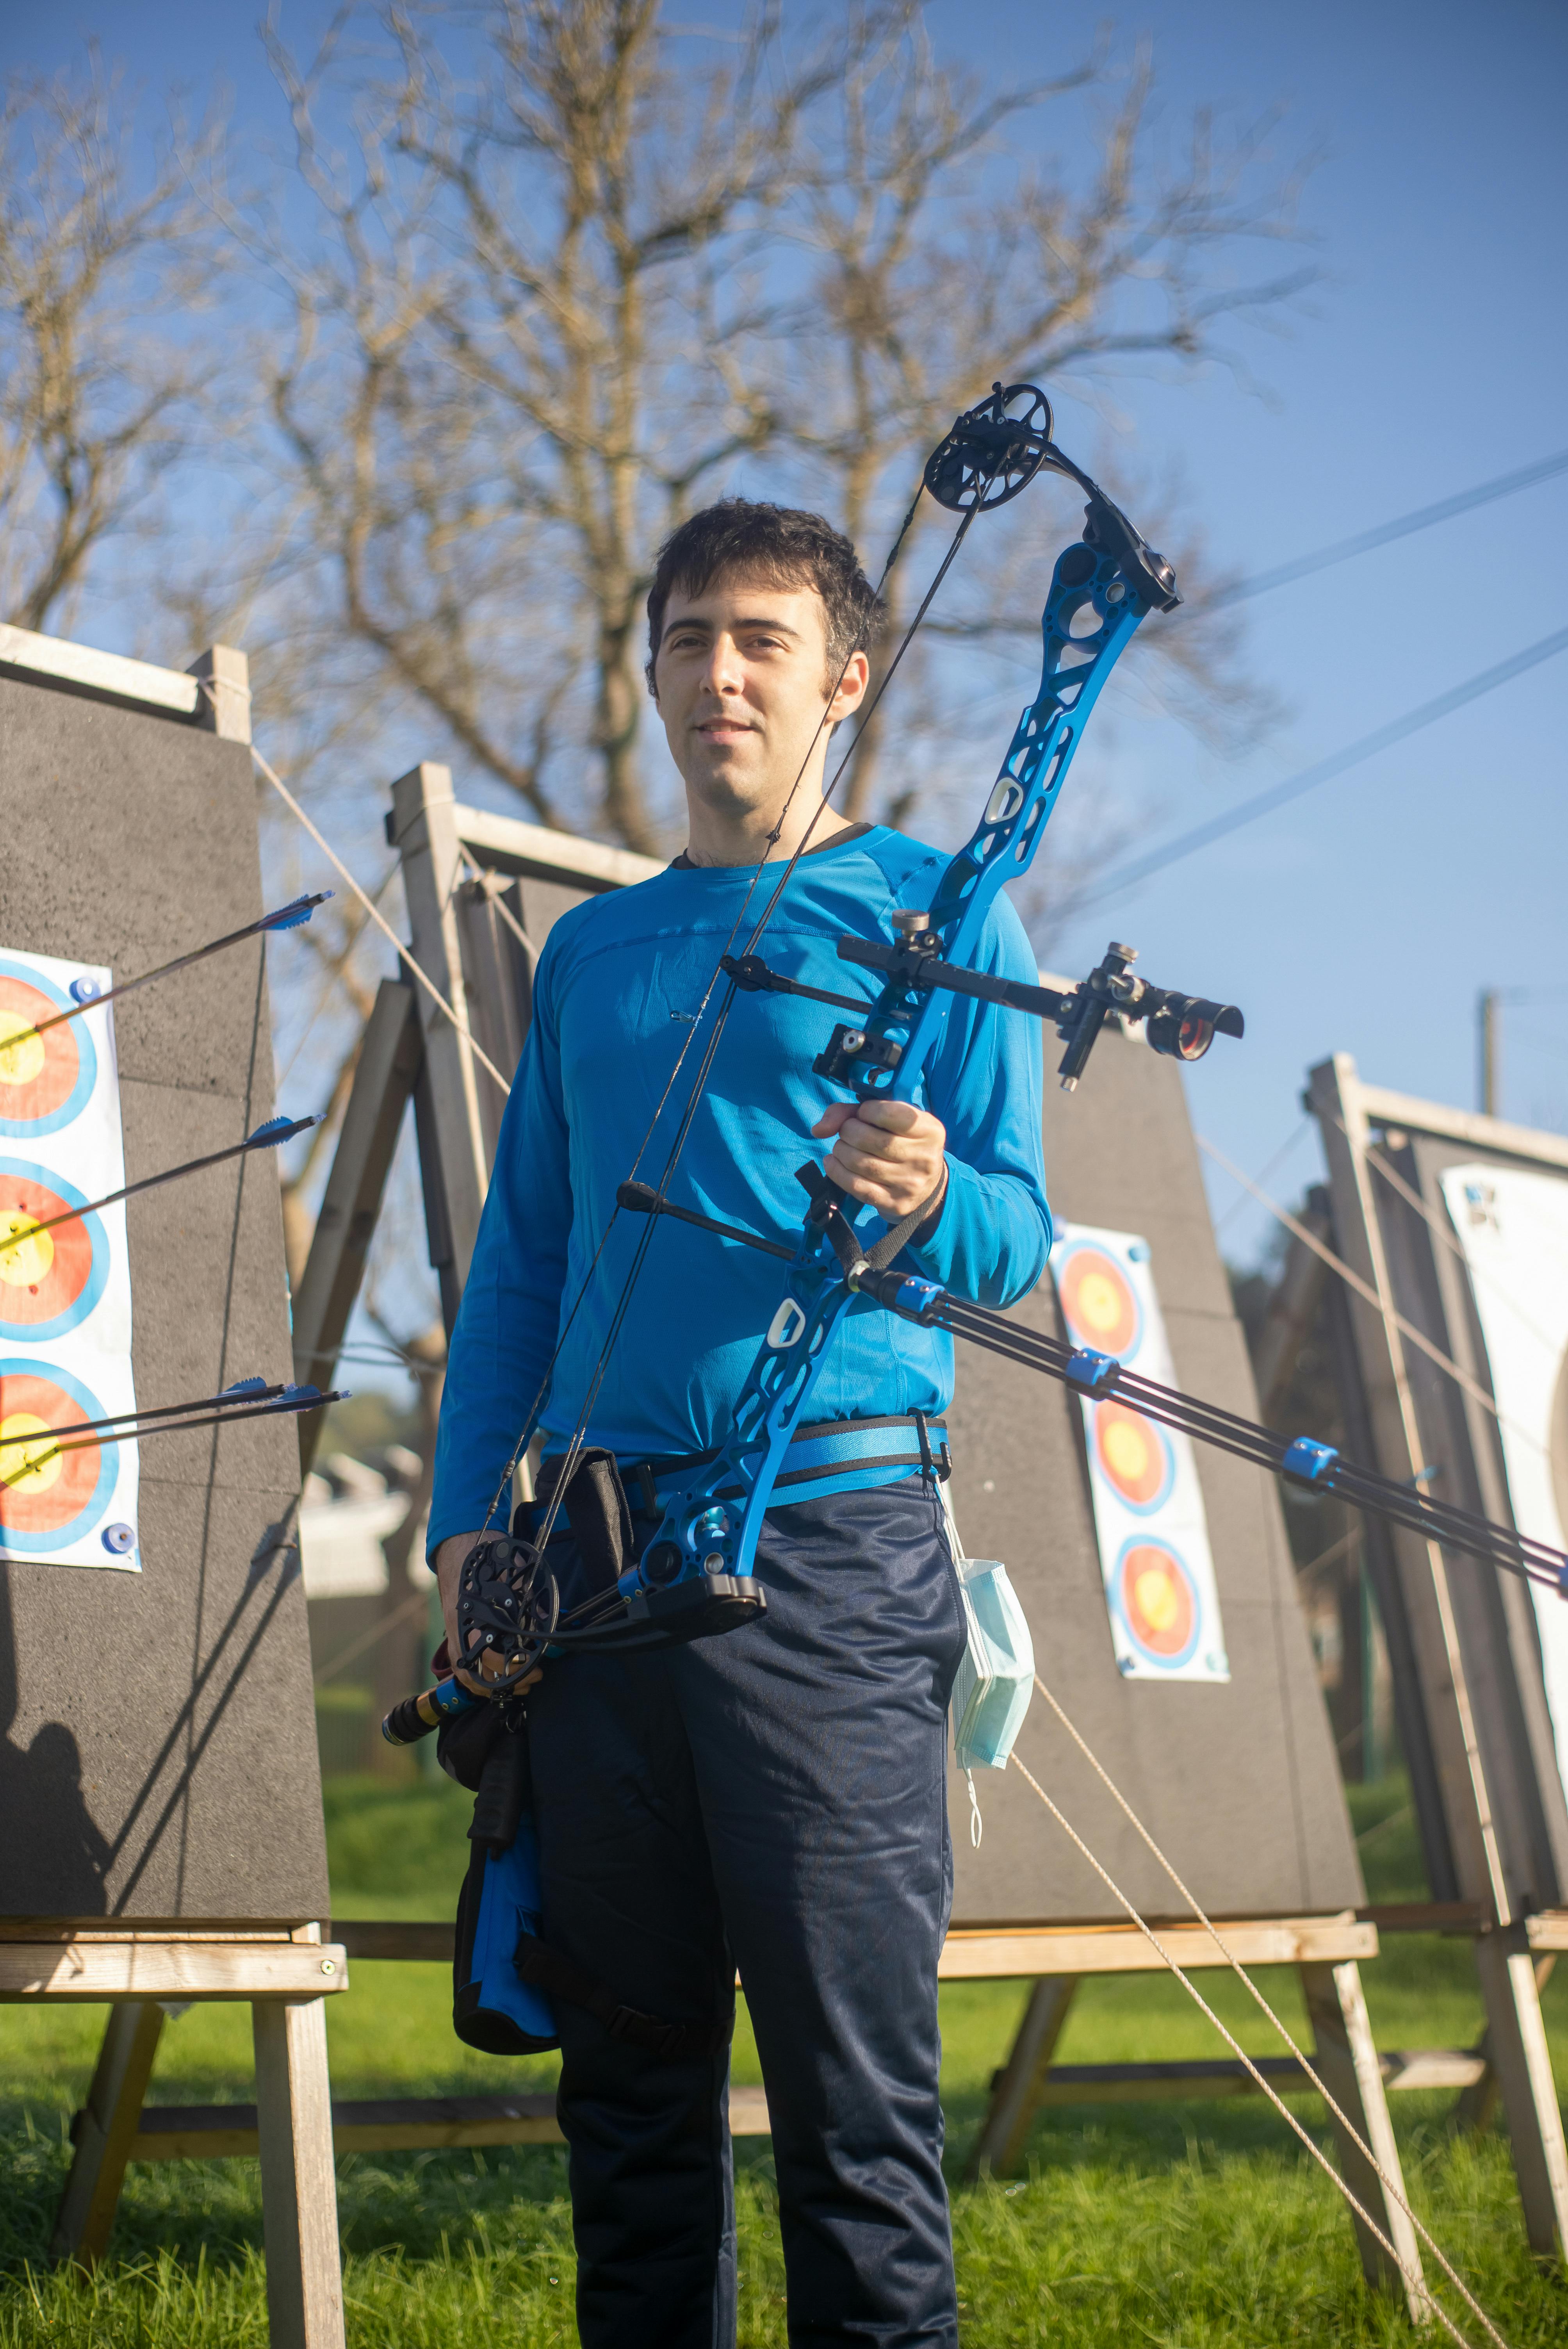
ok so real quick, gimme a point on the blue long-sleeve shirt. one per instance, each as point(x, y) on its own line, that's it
point(615, 992)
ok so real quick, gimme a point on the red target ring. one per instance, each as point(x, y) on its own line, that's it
point(1159, 1601)
point(42, 1273)
point(1098, 1302)
point(39, 1074)
point(1134, 1456)
point(44, 1490)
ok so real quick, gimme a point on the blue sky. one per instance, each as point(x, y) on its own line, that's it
point(1366, 918)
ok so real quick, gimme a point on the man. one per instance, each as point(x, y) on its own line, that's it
point(773, 1798)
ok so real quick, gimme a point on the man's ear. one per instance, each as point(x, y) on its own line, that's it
point(855, 678)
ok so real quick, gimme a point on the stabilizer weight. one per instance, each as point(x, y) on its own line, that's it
point(416, 1716)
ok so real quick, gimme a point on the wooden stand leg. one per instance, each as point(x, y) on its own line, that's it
point(1477, 2107)
point(1346, 2063)
point(103, 2131)
point(1016, 2092)
point(299, 2186)
point(1516, 2045)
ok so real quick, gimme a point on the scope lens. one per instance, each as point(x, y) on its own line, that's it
point(1178, 1035)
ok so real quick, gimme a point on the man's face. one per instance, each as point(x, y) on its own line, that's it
point(741, 680)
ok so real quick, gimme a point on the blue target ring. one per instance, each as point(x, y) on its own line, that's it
point(51, 1122)
point(33, 1332)
point(39, 1541)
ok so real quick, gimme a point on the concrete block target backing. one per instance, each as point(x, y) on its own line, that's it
point(158, 1758)
point(1238, 1782)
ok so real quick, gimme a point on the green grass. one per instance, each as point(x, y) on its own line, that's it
point(1194, 2226)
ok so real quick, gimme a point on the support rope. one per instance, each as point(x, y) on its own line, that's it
point(1413, 2277)
point(1363, 1288)
point(416, 970)
point(1114, 1791)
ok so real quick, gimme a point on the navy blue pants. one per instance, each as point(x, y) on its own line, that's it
point(773, 1799)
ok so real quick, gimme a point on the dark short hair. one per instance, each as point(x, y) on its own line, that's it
point(784, 545)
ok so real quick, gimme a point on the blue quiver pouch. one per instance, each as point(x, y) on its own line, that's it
point(506, 1977)
point(493, 2008)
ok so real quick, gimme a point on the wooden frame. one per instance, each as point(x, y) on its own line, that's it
point(1471, 1697)
point(1327, 1949)
point(284, 1977)
point(285, 1971)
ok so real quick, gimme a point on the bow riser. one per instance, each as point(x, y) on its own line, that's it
point(902, 1027)
point(698, 1532)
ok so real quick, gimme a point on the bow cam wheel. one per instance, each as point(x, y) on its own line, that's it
point(992, 451)
point(508, 1607)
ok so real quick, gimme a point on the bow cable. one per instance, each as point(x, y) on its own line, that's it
point(601, 1368)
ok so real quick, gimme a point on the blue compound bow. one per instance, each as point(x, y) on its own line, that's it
point(695, 1577)
point(1103, 586)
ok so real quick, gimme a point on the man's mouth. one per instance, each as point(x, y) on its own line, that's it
point(725, 726)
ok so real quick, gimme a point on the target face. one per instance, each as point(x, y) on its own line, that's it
point(48, 1498)
point(1097, 1303)
point(49, 1281)
point(45, 1081)
point(1134, 1456)
point(1158, 1601)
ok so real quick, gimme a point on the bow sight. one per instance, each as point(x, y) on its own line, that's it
point(1179, 1027)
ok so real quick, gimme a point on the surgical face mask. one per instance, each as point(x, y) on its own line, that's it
point(997, 1677)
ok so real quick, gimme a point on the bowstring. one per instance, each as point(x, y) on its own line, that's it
point(602, 1366)
point(575, 1445)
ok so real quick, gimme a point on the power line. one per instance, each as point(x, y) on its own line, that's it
point(1424, 518)
point(1203, 835)
point(1506, 485)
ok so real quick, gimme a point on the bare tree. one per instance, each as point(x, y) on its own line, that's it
point(99, 389)
point(920, 264)
point(493, 390)
point(547, 311)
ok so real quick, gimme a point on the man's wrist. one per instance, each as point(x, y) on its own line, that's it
point(926, 1228)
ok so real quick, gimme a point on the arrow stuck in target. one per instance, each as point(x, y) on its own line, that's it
point(283, 917)
point(246, 1399)
point(276, 1130)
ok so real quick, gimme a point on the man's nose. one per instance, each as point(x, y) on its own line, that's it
point(726, 671)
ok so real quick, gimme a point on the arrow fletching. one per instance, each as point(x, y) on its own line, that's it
point(276, 1130)
point(297, 910)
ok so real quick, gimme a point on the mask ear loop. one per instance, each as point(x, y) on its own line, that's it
point(976, 1824)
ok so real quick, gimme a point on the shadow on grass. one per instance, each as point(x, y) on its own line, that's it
point(1193, 2226)
point(1197, 2232)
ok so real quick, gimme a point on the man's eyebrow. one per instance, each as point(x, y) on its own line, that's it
point(747, 620)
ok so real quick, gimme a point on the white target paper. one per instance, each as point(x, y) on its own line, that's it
point(1513, 1228)
point(64, 1293)
point(1153, 1536)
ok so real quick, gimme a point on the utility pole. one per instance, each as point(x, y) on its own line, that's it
point(1487, 1006)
